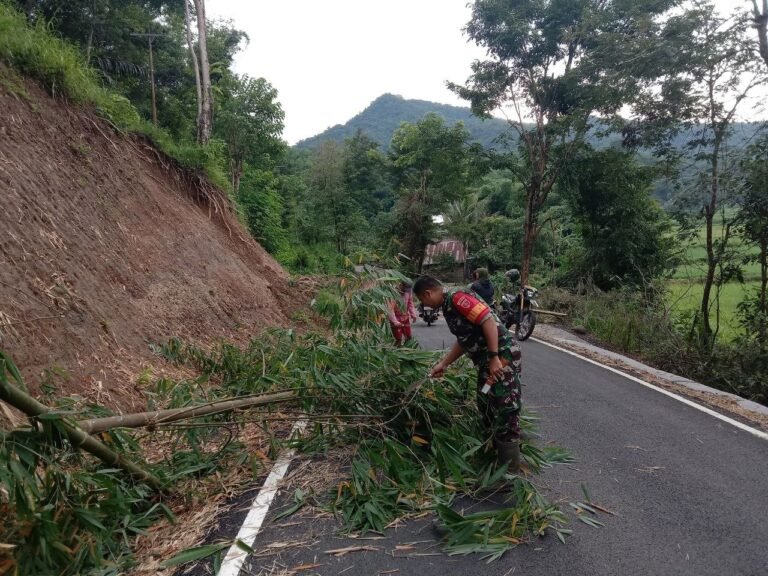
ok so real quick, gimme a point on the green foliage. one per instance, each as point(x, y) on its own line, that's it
point(336, 214)
point(641, 324)
point(431, 166)
point(364, 172)
point(315, 258)
point(262, 206)
point(62, 512)
point(560, 63)
point(250, 121)
point(34, 51)
point(419, 443)
point(625, 234)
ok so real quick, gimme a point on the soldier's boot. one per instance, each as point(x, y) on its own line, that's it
point(508, 455)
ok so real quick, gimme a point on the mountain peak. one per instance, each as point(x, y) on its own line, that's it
point(384, 115)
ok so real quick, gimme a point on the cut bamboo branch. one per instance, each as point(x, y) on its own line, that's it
point(552, 313)
point(80, 439)
point(149, 419)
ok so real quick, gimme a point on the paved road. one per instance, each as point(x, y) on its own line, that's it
point(690, 492)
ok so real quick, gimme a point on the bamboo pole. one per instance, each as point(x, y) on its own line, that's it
point(141, 419)
point(551, 313)
point(21, 400)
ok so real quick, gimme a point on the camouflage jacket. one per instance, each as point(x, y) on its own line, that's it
point(465, 314)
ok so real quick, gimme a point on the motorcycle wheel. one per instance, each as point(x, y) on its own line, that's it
point(526, 326)
point(429, 322)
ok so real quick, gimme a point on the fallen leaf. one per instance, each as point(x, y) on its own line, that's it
point(301, 567)
point(348, 549)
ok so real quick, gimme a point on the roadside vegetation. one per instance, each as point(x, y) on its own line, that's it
point(418, 445)
point(607, 102)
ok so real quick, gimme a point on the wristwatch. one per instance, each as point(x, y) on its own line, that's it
point(493, 354)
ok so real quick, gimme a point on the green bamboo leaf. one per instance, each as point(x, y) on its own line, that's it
point(193, 554)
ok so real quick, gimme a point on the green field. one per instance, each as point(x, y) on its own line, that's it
point(685, 297)
point(686, 286)
point(695, 257)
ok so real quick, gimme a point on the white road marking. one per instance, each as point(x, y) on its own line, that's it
point(233, 561)
point(731, 421)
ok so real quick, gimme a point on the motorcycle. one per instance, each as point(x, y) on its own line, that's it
point(510, 309)
point(429, 315)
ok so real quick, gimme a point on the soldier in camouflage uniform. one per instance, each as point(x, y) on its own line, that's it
point(494, 351)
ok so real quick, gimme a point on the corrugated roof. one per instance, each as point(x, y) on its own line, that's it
point(452, 247)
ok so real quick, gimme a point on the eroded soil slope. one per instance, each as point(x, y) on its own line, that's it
point(106, 246)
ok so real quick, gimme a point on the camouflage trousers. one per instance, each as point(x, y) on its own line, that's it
point(500, 407)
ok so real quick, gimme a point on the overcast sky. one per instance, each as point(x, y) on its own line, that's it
point(329, 59)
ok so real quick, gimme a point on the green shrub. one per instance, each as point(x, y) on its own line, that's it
point(638, 323)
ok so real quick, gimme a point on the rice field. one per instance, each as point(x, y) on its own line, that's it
point(686, 286)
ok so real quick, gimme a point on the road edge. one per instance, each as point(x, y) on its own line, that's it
point(236, 556)
point(740, 425)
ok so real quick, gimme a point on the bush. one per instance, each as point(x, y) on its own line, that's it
point(638, 323)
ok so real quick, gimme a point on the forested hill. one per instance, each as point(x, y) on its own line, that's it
point(385, 114)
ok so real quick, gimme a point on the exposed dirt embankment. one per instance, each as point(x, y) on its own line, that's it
point(106, 246)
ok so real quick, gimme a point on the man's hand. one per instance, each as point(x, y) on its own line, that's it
point(495, 369)
point(414, 318)
point(437, 370)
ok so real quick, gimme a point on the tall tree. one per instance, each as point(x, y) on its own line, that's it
point(205, 118)
point(432, 166)
point(193, 57)
point(556, 63)
point(721, 71)
point(463, 221)
point(753, 218)
point(625, 232)
point(335, 210)
point(365, 175)
point(250, 121)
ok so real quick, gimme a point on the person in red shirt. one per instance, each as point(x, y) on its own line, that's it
point(402, 313)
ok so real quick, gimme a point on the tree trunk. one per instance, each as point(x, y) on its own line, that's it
point(152, 83)
point(236, 170)
point(529, 236)
point(193, 55)
point(709, 215)
point(761, 23)
point(466, 259)
point(763, 304)
point(205, 119)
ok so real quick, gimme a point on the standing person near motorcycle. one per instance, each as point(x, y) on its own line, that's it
point(482, 285)
point(494, 352)
point(402, 313)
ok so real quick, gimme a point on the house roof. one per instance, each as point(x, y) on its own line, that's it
point(447, 246)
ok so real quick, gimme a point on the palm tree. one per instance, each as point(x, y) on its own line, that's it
point(463, 219)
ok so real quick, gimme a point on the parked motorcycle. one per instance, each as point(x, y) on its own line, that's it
point(510, 308)
point(429, 315)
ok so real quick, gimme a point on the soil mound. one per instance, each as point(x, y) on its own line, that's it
point(107, 246)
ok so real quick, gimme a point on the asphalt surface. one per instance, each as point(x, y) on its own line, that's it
point(690, 492)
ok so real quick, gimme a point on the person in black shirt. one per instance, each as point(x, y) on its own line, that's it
point(482, 286)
